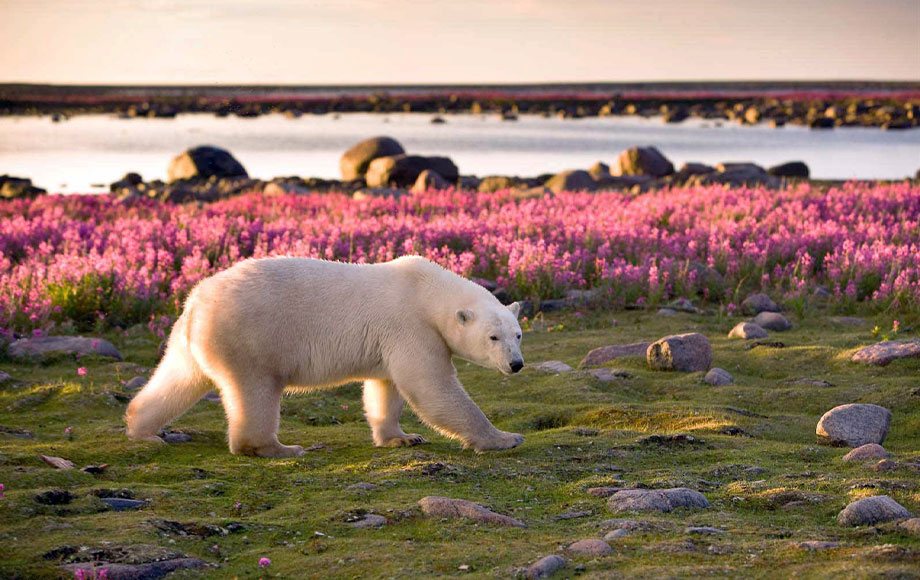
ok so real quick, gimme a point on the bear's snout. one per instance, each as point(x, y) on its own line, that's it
point(516, 365)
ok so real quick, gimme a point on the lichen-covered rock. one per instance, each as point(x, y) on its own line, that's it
point(866, 452)
point(355, 161)
point(886, 351)
point(680, 352)
point(854, 425)
point(661, 500)
point(748, 330)
point(47, 345)
point(445, 507)
point(604, 354)
point(772, 321)
point(871, 510)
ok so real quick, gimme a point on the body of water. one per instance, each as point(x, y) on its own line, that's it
point(79, 154)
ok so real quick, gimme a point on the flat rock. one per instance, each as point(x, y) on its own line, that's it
point(628, 525)
point(683, 305)
point(605, 375)
point(848, 320)
point(605, 354)
point(177, 438)
point(362, 486)
point(4, 377)
point(603, 491)
point(757, 303)
point(590, 547)
point(680, 352)
point(370, 521)
point(552, 367)
point(667, 312)
point(866, 452)
point(120, 504)
point(871, 510)
point(772, 321)
point(854, 425)
point(445, 507)
point(703, 530)
point(748, 330)
point(615, 534)
point(545, 567)
point(54, 497)
point(884, 352)
point(46, 345)
point(662, 500)
point(718, 377)
point(817, 545)
point(150, 571)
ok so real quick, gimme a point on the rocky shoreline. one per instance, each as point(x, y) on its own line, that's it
point(380, 166)
point(819, 110)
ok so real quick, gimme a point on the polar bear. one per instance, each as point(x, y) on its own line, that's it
point(268, 324)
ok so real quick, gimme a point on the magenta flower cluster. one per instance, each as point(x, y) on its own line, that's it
point(84, 260)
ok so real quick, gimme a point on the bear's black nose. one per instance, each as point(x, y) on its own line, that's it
point(517, 365)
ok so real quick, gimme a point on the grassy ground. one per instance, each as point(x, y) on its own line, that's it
point(296, 511)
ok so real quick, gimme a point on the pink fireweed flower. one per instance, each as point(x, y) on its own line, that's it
point(895, 326)
point(264, 562)
point(82, 371)
point(68, 430)
point(1, 490)
point(344, 407)
point(103, 574)
point(37, 332)
point(237, 506)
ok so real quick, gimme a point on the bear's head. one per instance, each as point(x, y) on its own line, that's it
point(489, 336)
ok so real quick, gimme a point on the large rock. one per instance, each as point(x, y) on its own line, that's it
point(429, 180)
point(18, 187)
point(757, 303)
point(680, 352)
point(403, 170)
point(790, 169)
point(661, 500)
point(643, 161)
point(355, 161)
point(149, 571)
point(772, 321)
point(886, 351)
point(604, 354)
point(719, 377)
point(736, 174)
point(871, 510)
point(445, 507)
point(571, 180)
point(854, 425)
point(590, 547)
point(748, 330)
point(204, 162)
point(47, 345)
point(600, 171)
point(493, 183)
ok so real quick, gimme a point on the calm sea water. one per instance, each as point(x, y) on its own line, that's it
point(74, 155)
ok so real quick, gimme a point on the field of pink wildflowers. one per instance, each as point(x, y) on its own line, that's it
point(85, 261)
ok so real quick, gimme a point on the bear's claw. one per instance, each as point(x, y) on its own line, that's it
point(407, 440)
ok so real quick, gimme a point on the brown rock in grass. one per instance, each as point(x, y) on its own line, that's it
point(445, 507)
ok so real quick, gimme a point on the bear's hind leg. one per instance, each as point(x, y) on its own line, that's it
point(253, 409)
point(383, 406)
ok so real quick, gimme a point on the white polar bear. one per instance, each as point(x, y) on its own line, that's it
point(274, 323)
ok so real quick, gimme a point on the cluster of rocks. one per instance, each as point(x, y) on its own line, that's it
point(18, 187)
point(892, 112)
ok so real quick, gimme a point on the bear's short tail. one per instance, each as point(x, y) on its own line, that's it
point(175, 386)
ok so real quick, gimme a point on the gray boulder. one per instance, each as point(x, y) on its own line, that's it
point(355, 161)
point(854, 425)
point(48, 345)
point(772, 321)
point(545, 567)
point(203, 162)
point(445, 507)
point(867, 452)
point(571, 180)
point(680, 352)
point(719, 377)
point(643, 161)
point(871, 510)
point(661, 500)
point(403, 170)
point(604, 354)
point(748, 330)
point(590, 547)
point(757, 303)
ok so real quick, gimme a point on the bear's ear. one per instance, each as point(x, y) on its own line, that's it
point(515, 308)
point(464, 316)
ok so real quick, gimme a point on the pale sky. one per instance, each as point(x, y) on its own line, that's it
point(455, 41)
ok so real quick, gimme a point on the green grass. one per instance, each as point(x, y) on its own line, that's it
point(287, 504)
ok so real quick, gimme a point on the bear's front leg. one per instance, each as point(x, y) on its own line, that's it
point(439, 400)
point(383, 406)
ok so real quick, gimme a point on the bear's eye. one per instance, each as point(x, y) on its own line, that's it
point(493, 337)
point(519, 336)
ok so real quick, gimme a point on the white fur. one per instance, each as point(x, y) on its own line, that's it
point(275, 323)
